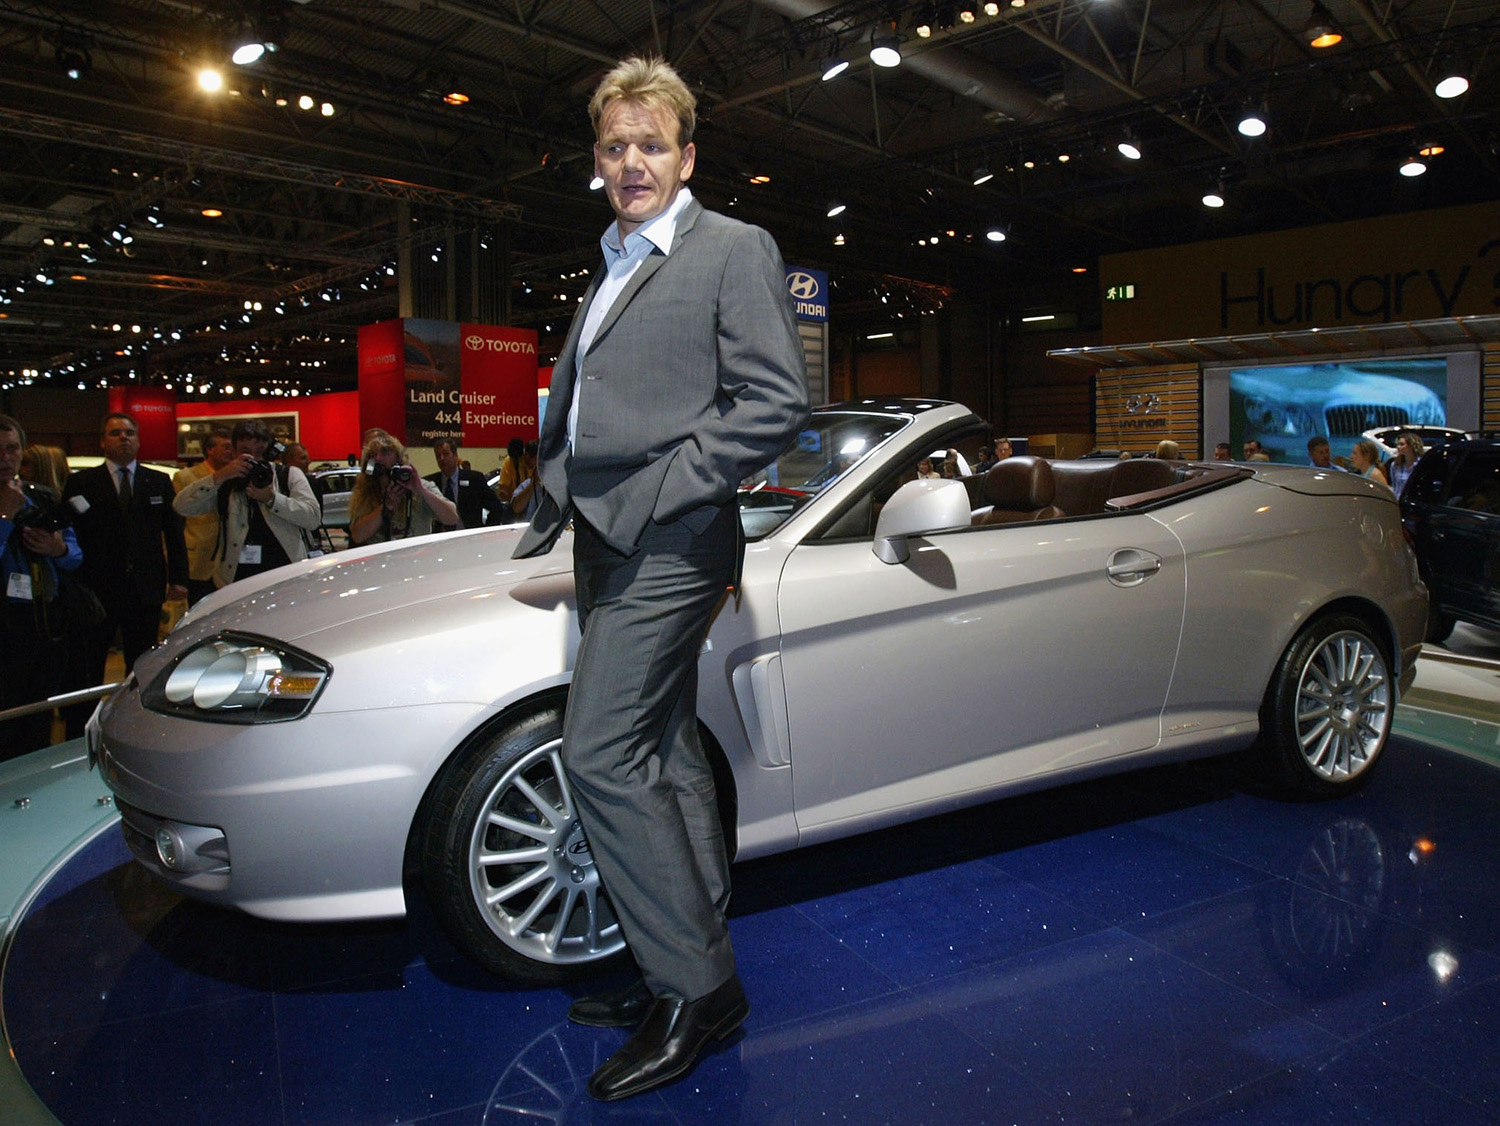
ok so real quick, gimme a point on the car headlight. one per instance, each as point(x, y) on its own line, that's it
point(238, 678)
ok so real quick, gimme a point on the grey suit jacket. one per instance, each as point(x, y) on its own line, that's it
point(694, 381)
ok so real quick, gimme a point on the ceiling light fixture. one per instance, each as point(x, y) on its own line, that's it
point(1253, 122)
point(73, 57)
point(1214, 196)
point(995, 234)
point(836, 207)
point(247, 49)
point(885, 50)
point(210, 80)
point(1320, 31)
point(456, 98)
point(1452, 81)
point(1413, 166)
point(833, 66)
point(993, 8)
point(1129, 147)
point(596, 183)
point(966, 13)
point(1432, 150)
point(982, 175)
point(925, 16)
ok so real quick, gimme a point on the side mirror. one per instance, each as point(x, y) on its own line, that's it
point(916, 509)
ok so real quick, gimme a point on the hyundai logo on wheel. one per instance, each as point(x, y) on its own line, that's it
point(809, 290)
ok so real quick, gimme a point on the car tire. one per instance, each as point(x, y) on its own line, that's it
point(1439, 626)
point(505, 862)
point(1327, 712)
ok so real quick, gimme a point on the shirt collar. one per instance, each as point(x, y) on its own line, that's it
point(660, 232)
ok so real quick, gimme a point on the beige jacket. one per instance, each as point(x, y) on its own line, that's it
point(288, 516)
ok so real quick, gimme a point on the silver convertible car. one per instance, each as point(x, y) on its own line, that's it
point(900, 647)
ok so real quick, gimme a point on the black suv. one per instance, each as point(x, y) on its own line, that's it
point(1451, 509)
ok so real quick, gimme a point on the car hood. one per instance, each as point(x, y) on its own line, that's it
point(410, 577)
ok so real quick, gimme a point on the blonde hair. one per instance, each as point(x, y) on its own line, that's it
point(49, 466)
point(368, 493)
point(651, 83)
point(1168, 450)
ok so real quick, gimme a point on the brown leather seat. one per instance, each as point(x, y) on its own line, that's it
point(1020, 488)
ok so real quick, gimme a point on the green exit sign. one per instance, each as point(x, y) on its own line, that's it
point(1119, 293)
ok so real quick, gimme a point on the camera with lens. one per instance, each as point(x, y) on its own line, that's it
point(400, 474)
point(44, 516)
point(262, 472)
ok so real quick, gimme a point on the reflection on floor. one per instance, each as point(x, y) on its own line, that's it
point(1166, 946)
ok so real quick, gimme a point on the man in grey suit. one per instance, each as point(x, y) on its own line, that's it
point(681, 375)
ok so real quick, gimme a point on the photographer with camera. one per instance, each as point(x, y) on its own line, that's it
point(391, 501)
point(36, 542)
point(264, 509)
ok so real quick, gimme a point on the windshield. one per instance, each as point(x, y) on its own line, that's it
point(833, 443)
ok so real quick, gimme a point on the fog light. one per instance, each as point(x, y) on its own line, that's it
point(168, 848)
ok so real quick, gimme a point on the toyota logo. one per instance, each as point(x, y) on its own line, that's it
point(1143, 404)
point(803, 286)
point(474, 341)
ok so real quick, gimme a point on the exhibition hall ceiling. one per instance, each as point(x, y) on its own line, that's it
point(245, 233)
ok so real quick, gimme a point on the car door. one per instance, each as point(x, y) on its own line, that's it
point(1463, 538)
point(993, 654)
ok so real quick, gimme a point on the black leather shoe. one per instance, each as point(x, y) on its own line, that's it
point(622, 1008)
point(667, 1044)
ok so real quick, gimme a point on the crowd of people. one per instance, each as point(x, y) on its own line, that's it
point(91, 558)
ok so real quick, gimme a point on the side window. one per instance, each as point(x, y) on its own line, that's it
point(1476, 483)
point(858, 520)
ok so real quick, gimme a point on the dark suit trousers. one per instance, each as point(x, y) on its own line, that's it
point(640, 778)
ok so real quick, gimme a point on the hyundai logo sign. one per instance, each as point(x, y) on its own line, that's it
point(809, 290)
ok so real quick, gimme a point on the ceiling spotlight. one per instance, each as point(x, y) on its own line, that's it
point(995, 234)
point(1432, 150)
point(1129, 147)
point(596, 183)
point(1414, 166)
point(1452, 81)
point(838, 239)
point(73, 57)
point(1320, 31)
point(982, 175)
point(885, 50)
point(833, 66)
point(210, 80)
point(1214, 197)
point(837, 207)
point(1253, 123)
point(925, 16)
point(305, 101)
point(456, 98)
point(993, 8)
point(247, 49)
point(966, 13)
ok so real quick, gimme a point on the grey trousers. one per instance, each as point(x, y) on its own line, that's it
point(638, 772)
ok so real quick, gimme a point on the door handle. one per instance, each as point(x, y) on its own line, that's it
point(1129, 566)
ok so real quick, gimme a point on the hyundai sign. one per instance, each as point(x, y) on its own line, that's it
point(809, 290)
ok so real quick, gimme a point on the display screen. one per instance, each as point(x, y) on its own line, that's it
point(1283, 406)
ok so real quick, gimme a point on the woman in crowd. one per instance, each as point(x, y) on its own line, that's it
point(1168, 450)
point(1409, 450)
point(44, 465)
point(1364, 459)
point(391, 501)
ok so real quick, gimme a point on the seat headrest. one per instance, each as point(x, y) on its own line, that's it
point(1020, 483)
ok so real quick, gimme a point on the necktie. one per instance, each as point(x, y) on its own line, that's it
point(126, 493)
point(450, 490)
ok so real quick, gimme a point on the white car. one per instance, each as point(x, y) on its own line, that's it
point(899, 648)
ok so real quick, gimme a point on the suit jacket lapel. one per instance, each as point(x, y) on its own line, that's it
point(560, 393)
point(654, 261)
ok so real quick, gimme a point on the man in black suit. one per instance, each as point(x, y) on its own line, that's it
point(477, 503)
point(134, 555)
point(681, 375)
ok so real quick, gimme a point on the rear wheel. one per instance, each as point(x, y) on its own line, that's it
point(1328, 709)
point(506, 865)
